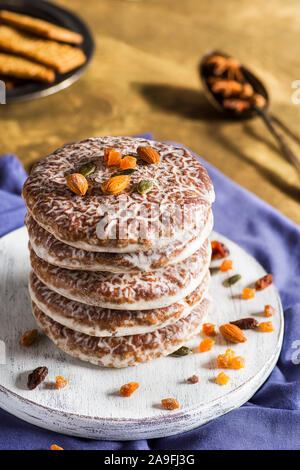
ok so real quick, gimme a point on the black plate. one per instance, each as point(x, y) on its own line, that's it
point(61, 17)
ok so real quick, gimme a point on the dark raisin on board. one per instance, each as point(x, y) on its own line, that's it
point(219, 250)
point(37, 377)
point(193, 379)
point(264, 282)
point(245, 323)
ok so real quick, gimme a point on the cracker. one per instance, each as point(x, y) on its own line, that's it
point(19, 67)
point(61, 57)
point(40, 27)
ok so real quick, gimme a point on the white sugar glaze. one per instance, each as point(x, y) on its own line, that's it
point(127, 291)
point(47, 247)
point(96, 321)
point(180, 182)
point(127, 350)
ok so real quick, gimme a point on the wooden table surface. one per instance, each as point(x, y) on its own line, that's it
point(144, 78)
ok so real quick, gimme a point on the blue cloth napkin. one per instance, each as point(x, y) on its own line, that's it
point(271, 419)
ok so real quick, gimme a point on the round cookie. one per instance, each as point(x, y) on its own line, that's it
point(97, 321)
point(47, 247)
point(128, 221)
point(127, 350)
point(126, 291)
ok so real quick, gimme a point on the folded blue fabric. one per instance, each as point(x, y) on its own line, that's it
point(271, 419)
point(12, 208)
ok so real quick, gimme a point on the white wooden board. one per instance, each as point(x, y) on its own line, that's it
point(91, 406)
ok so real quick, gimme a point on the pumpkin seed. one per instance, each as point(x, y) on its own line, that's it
point(183, 351)
point(144, 186)
point(87, 169)
point(233, 279)
point(128, 171)
point(213, 271)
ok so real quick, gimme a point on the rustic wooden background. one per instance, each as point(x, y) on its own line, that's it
point(144, 78)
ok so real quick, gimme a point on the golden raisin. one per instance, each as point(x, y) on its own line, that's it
point(222, 378)
point(269, 310)
point(55, 447)
point(237, 362)
point(61, 382)
point(226, 265)
point(28, 337)
point(208, 329)
point(206, 345)
point(128, 389)
point(127, 162)
point(114, 158)
point(266, 327)
point(170, 403)
point(107, 150)
point(224, 360)
point(248, 293)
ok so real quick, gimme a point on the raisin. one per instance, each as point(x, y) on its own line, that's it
point(206, 345)
point(224, 360)
point(193, 380)
point(128, 389)
point(37, 377)
point(219, 250)
point(222, 378)
point(208, 329)
point(107, 151)
point(127, 162)
point(264, 282)
point(226, 265)
point(269, 310)
point(28, 337)
point(245, 323)
point(248, 293)
point(61, 382)
point(237, 362)
point(266, 327)
point(170, 404)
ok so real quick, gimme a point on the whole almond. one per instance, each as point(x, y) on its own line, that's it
point(116, 184)
point(148, 154)
point(77, 183)
point(233, 333)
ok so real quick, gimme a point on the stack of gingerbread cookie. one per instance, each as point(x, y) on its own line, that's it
point(118, 238)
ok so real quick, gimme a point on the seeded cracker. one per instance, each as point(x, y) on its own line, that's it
point(40, 27)
point(62, 57)
point(19, 67)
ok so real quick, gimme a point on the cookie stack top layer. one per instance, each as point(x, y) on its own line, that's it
point(181, 185)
